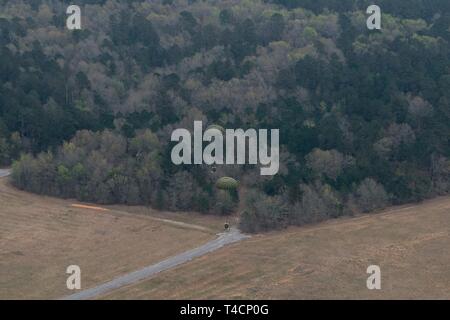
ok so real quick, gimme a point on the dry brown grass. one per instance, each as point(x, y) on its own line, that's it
point(410, 244)
point(41, 236)
point(211, 223)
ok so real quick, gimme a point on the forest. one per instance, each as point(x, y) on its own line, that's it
point(364, 115)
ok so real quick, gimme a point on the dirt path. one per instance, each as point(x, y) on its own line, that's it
point(118, 212)
point(234, 235)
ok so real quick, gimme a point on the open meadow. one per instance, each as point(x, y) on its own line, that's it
point(41, 236)
point(326, 261)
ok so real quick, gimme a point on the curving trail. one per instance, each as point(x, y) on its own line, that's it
point(234, 235)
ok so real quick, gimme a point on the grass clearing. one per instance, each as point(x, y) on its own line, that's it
point(41, 236)
point(326, 261)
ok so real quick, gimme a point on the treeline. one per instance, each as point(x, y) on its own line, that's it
point(363, 115)
point(316, 203)
point(107, 168)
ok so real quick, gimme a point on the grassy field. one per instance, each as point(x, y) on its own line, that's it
point(410, 244)
point(41, 236)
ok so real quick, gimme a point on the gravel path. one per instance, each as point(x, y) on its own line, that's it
point(232, 236)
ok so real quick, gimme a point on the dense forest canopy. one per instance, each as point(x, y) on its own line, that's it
point(363, 114)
